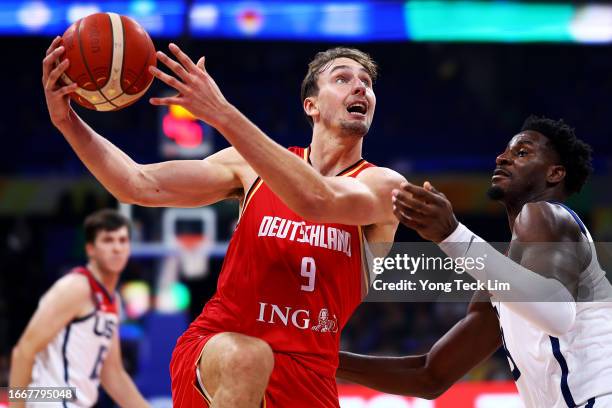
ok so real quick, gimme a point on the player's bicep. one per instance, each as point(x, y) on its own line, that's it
point(548, 245)
point(189, 183)
point(556, 260)
point(57, 308)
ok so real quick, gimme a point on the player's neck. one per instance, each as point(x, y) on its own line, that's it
point(330, 154)
point(108, 280)
point(514, 207)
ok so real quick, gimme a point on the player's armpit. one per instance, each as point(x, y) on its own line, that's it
point(363, 200)
point(190, 183)
point(463, 347)
point(62, 303)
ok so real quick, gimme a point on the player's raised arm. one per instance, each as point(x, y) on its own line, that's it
point(60, 304)
point(542, 277)
point(464, 346)
point(363, 200)
point(175, 183)
point(360, 201)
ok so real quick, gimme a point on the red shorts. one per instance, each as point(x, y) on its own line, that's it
point(291, 385)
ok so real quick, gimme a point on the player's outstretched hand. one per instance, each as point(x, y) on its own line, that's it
point(425, 210)
point(197, 91)
point(56, 94)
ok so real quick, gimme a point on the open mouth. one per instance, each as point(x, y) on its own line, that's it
point(357, 108)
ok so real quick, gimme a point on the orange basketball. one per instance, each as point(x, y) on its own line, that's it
point(109, 58)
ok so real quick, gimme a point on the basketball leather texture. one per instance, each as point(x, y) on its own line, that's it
point(109, 58)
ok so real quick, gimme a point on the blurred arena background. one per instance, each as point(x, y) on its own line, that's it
point(457, 80)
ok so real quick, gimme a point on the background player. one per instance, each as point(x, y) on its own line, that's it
point(321, 203)
point(554, 348)
point(73, 338)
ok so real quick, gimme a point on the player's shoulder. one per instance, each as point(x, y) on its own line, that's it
point(543, 221)
point(229, 155)
point(72, 287)
point(384, 175)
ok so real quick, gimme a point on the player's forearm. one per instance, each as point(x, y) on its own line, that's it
point(113, 168)
point(545, 302)
point(395, 375)
point(296, 183)
point(22, 362)
point(123, 391)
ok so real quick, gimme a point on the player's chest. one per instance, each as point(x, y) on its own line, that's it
point(99, 327)
point(269, 222)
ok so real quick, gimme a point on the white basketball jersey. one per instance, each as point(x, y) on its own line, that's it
point(573, 370)
point(74, 358)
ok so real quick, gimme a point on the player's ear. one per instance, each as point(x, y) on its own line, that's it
point(310, 107)
point(555, 174)
point(89, 249)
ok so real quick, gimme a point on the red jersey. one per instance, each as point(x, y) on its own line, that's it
point(289, 281)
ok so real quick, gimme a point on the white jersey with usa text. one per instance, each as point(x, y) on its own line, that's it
point(575, 369)
point(74, 358)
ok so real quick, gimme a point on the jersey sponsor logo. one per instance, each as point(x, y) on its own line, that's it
point(300, 318)
point(316, 235)
point(327, 323)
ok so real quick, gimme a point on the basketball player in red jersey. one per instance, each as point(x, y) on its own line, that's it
point(73, 338)
point(293, 271)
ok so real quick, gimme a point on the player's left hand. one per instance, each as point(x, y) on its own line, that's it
point(425, 210)
point(197, 91)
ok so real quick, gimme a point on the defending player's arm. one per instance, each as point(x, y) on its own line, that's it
point(542, 277)
point(183, 183)
point(116, 381)
point(357, 201)
point(468, 343)
point(62, 303)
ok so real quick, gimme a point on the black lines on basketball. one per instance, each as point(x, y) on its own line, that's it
point(93, 30)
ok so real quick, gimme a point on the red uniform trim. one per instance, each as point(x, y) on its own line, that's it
point(247, 198)
point(99, 295)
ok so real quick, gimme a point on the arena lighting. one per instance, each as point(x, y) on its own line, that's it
point(52, 17)
point(488, 21)
point(182, 127)
point(356, 20)
point(182, 135)
point(136, 297)
point(592, 24)
point(328, 20)
point(173, 299)
point(417, 20)
point(78, 11)
point(34, 15)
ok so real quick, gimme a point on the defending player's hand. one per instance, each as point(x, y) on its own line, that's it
point(56, 94)
point(197, 91)
point(425, 210)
